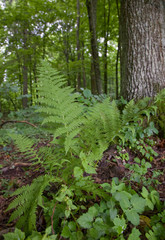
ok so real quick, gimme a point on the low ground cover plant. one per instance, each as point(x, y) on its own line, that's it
point(74, 205)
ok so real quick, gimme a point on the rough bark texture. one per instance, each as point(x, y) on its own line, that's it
point(142, 33)
point(92, 7)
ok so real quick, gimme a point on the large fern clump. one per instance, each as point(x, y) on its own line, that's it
point(80, 138)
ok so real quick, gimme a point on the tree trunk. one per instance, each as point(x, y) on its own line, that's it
point(142, 35)
point(25, 71)
point(117, 63)
point(83, 66)
point(25, 60)
point(106, 34)
point(93, 82)
point(91, 8)
point(78, 46)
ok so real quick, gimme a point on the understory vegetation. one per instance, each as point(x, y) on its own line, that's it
point(82, 128)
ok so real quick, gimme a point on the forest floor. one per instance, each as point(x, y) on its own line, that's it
point(16, 171)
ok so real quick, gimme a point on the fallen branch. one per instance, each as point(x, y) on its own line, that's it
point(15, 165)
point(16, 121)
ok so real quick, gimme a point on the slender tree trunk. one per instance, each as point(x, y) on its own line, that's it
point(117, 71)
point(142, 47)
point(66, 53)
point(25, 70)
point(93, 80)
point(92, 9)
point(44, 43)
point(25, 60)
point(106, 33)
point(83, 67)
point(78, 46)
point(35, 71)
point(31, 82)
point(118, 55)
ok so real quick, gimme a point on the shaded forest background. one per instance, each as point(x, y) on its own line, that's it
point(58, 31)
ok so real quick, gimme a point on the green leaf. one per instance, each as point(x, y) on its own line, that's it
point(150, 204)
point(79, 235)
point(145, 192)
point(101, 226)
point(138, 203)
point(93, 211)
point(72, 226)
point(120, 224)
point(134, 234)
point(85, 221)
point(113, 213)
point(66, 233)
point(123, 199)
point(154, 196)
point(151, 235)
point(78, 172)
point(88, 168)
point(16, 235)
point(35, 236)
point(132, 216)
point(94, 233)
point(87, 93)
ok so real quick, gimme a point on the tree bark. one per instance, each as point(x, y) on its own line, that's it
point(106, 34)
point(25, 60)
point(78, 46)
point(25, 71)
point(92, 9)
point(117, 71)
point(142, 35)
point(83, 66)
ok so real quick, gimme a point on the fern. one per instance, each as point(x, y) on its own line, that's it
point(25, 205)
point(24, 144)
point(101, 125)
point(160, 118)
point(82, 137)
point(134, 112)
point(59, 105)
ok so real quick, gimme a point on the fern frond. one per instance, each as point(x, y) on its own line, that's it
point(25, 205)
point(25, 145)
point(134, 112)
point(59, 105)
point(22, 142)
point(101, 124)
point(129, 112)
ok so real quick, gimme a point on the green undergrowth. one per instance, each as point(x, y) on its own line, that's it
point(74, 206)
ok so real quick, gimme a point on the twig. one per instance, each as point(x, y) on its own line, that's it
point(16, 121)
point(52, 218)
point(20, 164)
point(15, 165)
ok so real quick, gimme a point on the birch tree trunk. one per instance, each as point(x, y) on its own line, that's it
point(142, 34)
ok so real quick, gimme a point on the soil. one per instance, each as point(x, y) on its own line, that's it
point(16, 171)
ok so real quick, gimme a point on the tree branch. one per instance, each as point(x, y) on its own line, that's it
point(16, 121)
